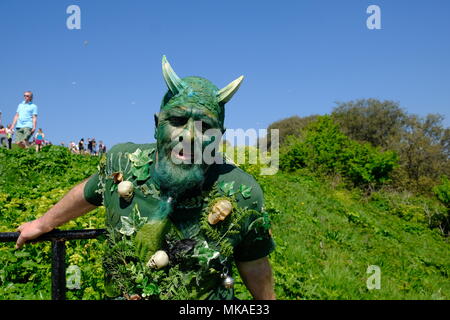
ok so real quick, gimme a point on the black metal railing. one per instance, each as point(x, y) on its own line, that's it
point(58, 239)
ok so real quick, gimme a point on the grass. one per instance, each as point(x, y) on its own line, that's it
point(328, 237)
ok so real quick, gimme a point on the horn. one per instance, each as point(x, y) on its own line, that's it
point(225, 94)
point(174, 83)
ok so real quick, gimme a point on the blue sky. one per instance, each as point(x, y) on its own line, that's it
point(298, 58)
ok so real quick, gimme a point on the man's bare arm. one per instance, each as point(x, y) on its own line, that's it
point(71, 206)
point(257, 276)
point(16, 117)
point(34, 124)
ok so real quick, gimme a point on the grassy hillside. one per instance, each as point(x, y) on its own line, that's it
point(326, 235)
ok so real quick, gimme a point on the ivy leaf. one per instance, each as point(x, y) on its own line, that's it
point(132, 223)
point(137, 219)
point(139, 158)
point(153, 191)
point(205, 254)
point(141, 173)
point(127, 226)
point(227, 188)
point(245, 191)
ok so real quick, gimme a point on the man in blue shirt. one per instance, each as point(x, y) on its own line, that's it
point(26, 120)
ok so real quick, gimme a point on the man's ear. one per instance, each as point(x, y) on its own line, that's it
point(156, 116)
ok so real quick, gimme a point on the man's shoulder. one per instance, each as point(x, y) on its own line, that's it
point(130, 147)
point(230, 177)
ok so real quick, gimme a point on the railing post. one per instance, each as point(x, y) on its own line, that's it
point(58, 270)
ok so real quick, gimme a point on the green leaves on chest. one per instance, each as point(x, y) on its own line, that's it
point(131, 224)
point(228, 189)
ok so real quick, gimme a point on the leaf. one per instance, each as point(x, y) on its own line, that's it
point(140, 158)
point(113, 187)
point(132, 223)
point(245, 191)
point(138, 220)
point(153, 191)
point(205, 254)
point(227, 188)
point(141, 173)
point(127, 226)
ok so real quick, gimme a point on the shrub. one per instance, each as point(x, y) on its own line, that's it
point(324, 149)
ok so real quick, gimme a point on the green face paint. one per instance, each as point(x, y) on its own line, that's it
point(192, 108)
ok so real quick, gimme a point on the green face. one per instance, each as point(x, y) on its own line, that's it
point(188, 130)
point(184, 134)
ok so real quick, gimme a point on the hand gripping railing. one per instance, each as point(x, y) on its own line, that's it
point(58, 239)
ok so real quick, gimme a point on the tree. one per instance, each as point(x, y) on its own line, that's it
point(370, 120)
point(289, 126)
point(423, 151)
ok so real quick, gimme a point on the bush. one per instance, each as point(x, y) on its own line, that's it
point(442, 192)
point(31, 183)
point(324, 149)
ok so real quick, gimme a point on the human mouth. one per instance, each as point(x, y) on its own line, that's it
point(183, 155)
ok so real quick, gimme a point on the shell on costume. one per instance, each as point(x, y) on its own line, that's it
point(159, 260)
point(125, 190)
point(219, 211)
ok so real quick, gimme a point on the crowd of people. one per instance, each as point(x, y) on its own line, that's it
point(91, 148)
point(23, 127)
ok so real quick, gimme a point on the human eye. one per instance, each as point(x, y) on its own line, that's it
point(177, 121)
point(206, 126)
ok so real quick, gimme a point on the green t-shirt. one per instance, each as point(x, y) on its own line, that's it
point(135, 163)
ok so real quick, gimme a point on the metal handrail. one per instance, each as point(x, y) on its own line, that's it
point(58, 239)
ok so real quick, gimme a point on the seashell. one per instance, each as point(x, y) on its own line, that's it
point(125, 190)
point(159, 260)
point(220, 210)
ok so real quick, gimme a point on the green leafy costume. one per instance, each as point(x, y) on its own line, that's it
point(144, 222)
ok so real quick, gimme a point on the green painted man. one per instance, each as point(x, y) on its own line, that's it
point(178, 215)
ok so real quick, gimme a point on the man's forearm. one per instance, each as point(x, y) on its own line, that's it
point(14, 121)
point(257, 276)
point(34, 123)
point(71, 206)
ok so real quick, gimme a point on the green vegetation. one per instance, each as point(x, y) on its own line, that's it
point(336, 208)
point(30, 184)
point(324, 149)
point(327, 236)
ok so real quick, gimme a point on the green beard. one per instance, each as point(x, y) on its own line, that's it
point(173, 179)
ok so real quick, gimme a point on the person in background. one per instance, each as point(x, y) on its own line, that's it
point(2, 136)
point(81, 146)
point(94, 147)
point(9, 133)
point(39, 139)
point(100, 148)
point(25, 120)
point(73, 147)
point(89, 146)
